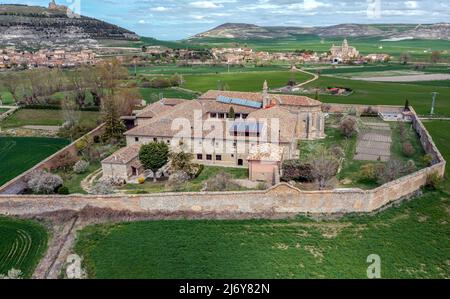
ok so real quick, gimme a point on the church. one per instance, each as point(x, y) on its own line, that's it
point(344, 53)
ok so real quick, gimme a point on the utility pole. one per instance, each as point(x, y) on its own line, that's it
point(433, 105)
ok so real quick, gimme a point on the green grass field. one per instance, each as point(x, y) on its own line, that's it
point(22, 245)
point(380, 93)
point(412, 241)
point(186, 70)
point(152, 95)
point(42, 117)
point(365, 45)
point(18, 154)
point(251, 81)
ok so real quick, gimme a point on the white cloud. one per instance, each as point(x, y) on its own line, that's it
point(411, 4)
point(205, 4)
point(159, 8)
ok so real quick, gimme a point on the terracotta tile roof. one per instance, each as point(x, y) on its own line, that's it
point(162, 126)
point(124, 155)
point(266, 152)
point(214, 106)
point(159, 108)
point(291, 100)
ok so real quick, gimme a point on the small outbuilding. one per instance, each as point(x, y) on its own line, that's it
point(123, 164)
point(265, 163)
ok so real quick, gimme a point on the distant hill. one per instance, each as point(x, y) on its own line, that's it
point(35, 26)
point(387, 31)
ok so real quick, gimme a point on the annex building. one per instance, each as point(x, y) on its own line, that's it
point(224, 128)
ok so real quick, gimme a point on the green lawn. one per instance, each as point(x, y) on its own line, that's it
point(202, 69)
point(194, 185)
point(22, 245)
point(73, 181)
point(412, 241)
point(18, 154)
point(377, 93)
point(43, 117)
point(251, 81)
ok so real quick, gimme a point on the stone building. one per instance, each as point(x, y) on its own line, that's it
point(344, 53)
point(222, 128)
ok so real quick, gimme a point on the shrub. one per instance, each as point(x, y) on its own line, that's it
point(349, 126)
point(81, 167)
point(369, 172)
point(392, 171)
point(63, 190)
point(41, 182)
point(434, 181)
point(427, 160)
point(154, 155)
point(410, 167)
point(177, 180)
point(408, 149)
point(338, 152)
point(221, 182)
point(103, 187)
point(141, 180)
point(293, 170)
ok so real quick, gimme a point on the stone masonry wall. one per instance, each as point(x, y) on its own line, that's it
point(17, 185)
point(281, 199)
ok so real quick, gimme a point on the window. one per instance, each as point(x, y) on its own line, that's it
point(221, 115)
point(232, 155)
point(155, 139)
point(199, 157)
point(213, 115)
point(209, 157)
point(218, 158)
point(240, 162)
point(136, 139)
point(168, 141)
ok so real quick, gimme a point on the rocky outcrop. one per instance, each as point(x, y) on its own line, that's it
point(31, 26)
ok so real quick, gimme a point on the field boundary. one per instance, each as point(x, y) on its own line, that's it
point(281, 199)
point(17, 185)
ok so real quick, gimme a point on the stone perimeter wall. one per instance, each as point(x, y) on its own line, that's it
point(17, 185)
point(281, 199)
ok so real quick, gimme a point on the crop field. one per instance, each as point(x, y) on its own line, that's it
point(151, 95)
point(242, 81)
point(18, 154)
point(384, 93)
point(186, 70)
point(22, 245)
point(412, 241)
point(42, 117)
point(419, 49)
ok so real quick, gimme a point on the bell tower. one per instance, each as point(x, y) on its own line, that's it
point(265, 95)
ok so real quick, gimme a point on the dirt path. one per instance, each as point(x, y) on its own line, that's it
point(316, 77)
point(58, 250)
point(411, 78)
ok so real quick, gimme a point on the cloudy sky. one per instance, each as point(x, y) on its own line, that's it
point(177, 19)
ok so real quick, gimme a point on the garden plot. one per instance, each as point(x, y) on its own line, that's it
point(374, 142)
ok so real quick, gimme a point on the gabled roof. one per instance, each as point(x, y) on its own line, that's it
point(124, 155)
point(282, 99)
point(159, 108)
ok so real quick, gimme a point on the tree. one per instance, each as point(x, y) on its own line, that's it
point(405, 57)
point(114, 127)
point(41, 182)
point(231, 113)
point(153, 156)
point(407, 105)
point(324, 166)
point(181, 161)
point(349, 126)
point(70, 113)
point(435, 56)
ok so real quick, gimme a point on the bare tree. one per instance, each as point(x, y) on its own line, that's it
point(324, 166)
point(405, 57)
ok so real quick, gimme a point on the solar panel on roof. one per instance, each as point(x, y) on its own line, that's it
point(241, 102)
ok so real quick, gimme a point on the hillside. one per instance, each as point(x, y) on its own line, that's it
point(391, 31)
point(34, 26)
